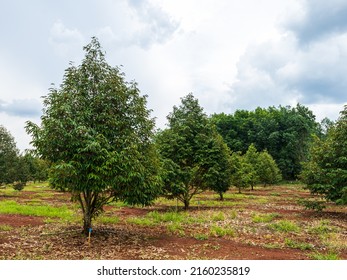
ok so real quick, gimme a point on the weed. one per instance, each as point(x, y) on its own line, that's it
point(284, 226)
point(322, 228)
point(275, 194)
point(12, 207)
point(298, 245)
point(233, 214)
point(140, 221)
point(222, 231)
point(219, 216)
point(317, 206)
point(171, 216)
point(200, 236)
point(176, 229)
point(328, 256)
point(5, 228)
point(272, 246)
point(108, 219)
point(264, 218)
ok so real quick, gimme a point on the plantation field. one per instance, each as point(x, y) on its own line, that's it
point(266, 223)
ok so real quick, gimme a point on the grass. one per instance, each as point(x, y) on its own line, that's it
point(327, 256)
point(298, 245)
point(108, 220)
point(5, 228)
point(264, 218)
point(200, 236)
point(323, 227)
point(218, 216)
point(176, 228)
point(219, 231)
point(13, 207)
point(284, 226)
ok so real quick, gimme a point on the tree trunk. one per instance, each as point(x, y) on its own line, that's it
point(221, 196)
point(186, 204)
point(239, 189)
point(87, 222)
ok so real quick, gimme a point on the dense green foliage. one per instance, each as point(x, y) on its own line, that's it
point(194, 155)
point(8, 157)
point(326, 171)
point(285, 132)
point(98, 135)
point(254, 168)
point(15, 168)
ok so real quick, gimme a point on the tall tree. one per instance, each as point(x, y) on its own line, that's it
point(97, 133)
point(251, 157)
point(326, 171)
point(243, 173)
point(195, 157)
point(267, 169)
point(8, 157)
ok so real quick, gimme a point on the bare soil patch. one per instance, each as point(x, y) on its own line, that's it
point(29, 237)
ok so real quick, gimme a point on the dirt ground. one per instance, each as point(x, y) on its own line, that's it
point(31, 237)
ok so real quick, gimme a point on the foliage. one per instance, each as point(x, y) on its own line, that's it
point(326, 171)
point(312, 205)
point(253, 168)
point(267, 169)
point(8, 157)
point(243, 173)
point(285, 132)
point(97, 133)
point(194, 156)
point(251, 157)
point(37, 168)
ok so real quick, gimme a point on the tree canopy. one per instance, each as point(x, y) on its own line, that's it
point(194, 155)
point(325, 172)
point(8, 157)
point(97, 133)
point(285, 132)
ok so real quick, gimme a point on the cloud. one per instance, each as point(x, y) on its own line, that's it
point(155, 25)
point(24, 108)
point(307, 64)
point(318, 19)
point(66, 41)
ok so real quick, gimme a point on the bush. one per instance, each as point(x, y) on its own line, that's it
point(312, 205)
point(18, 186)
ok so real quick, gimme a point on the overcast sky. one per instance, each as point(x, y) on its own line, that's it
point(231, 54)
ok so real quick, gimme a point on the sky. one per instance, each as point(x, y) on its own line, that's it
point(230, 54)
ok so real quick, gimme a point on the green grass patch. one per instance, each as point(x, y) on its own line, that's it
point(327, 256)
point(284, 226)
point(12, 207)
point(5, 228)
point(143, 221)
point(176, 229)
point(264, 218)
point(222, 231)
point(171, 216)
point(298, 245)
point(200, 236)
point(322, 228)
point(272, 246)
point(218, 216)
point(107, 220)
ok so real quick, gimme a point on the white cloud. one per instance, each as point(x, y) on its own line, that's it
point(65, 41)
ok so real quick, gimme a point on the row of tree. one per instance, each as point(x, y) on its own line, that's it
point(99, 138)
point(17, 168)
point(285, 132)
point(195, 157)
